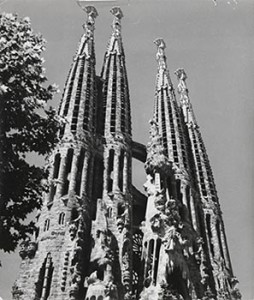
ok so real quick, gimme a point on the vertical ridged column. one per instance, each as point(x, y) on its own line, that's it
point(225, 248)
point(84, 174)
point(74, 169)
point(61, 178)
point(193, 211)
point(125, 173)
point(116, 203)
point(215, 236)
point(116, 172)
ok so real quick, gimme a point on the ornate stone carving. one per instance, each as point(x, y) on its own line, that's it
point(160, 56)
point(166, 292)
point(235, 292)
point(156, 160)
point(27, 249)
point(16, 291)
point(31, 249)
point(73, 230)
point(111, 290)
point(117, 12)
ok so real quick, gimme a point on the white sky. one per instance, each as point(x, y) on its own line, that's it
point(214, 44)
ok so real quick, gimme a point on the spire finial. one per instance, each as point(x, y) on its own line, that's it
point(91, 15)
point(160, 55)
point(184, 97)
point(118, 15)
point(182, 88)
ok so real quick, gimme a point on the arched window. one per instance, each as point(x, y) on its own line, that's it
point(110, 213)
point(46, 225)
point(61, 219)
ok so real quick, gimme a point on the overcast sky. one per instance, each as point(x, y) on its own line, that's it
point(215, 46)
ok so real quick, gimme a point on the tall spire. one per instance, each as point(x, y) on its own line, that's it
point(204, 171)
point(78, 101)
point(163, 77)
point(115, 43)
point(116, 102)
point(182, 89)
point(166, 113)
point(213, 224)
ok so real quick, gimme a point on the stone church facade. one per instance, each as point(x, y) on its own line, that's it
point(98, 236)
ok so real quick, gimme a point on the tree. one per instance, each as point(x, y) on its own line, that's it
point(26, 125)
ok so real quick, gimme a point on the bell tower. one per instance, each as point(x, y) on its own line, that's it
point(99, 237)
point(58, 268)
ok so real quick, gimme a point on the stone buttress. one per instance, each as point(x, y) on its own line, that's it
point(111, 263)
point(210, 216)
point(58, 268)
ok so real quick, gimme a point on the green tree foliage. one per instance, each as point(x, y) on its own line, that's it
point(26, 125)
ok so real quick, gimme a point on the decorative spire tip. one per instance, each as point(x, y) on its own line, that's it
point(117, 12)
point(160, 55)
point(90, 10)
point(160, 43)
point(180, 73)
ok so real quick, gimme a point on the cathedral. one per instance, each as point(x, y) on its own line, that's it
point(98, 236)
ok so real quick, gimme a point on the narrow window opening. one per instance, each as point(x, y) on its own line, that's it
point(79, 171)
point(46, 225)
point(178, 190)
point(67, 171)
point(55, 175)
point(89, 179)
point(121, 166)
point(149, 261)
point(110, 212)
point(188, 202)
point(157, 255)
point(110, 169)
point(170, 188)
point(61, 219)
point(97, 186)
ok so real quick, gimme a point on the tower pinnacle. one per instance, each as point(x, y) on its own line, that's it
point(160, 55)
point(91, 15)
point(115, 43)
point(184, 97)
point(116, 25)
